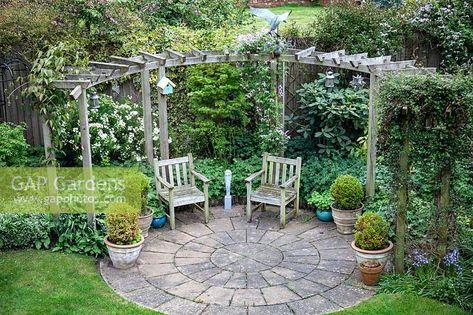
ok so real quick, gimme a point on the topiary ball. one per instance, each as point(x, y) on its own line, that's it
point(371, 232)
point(347, 192)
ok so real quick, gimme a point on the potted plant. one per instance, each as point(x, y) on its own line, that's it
point(159, 215)
point(347, 193)
point(371, 239)
point(370, 272)
point(124, 240)
point(322, 202)
point(137, 182)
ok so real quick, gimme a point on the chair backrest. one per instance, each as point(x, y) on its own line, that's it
point(277, 170)
point(175, 171)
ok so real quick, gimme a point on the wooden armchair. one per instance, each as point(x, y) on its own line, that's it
point(280, 181)
point(175, 184)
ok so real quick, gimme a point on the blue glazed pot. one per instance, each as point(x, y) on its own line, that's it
point(325, 216)
point(159, 222)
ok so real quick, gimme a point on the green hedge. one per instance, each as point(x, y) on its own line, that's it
point(24, 230)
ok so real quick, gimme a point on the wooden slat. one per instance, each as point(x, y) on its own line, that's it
point(284, 172)
point(163, 173)
point(291, 171)
point(171, 175)
point(149, 56)
point(183, 159)
point(178, 175)
point(184, 172)
point(270, 173)
point(282, 160)
point(276, 175)
point(264, 167)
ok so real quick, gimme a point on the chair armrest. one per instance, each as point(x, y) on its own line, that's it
point(250, 178)
point(289, 182)
point(201, 177)
point(164, 182)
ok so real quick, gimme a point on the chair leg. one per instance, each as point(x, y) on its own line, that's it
point(248, 202)
point(263, 207)
point(296, 206)
point(172, 217)
point(283, 209)
point(206, 210)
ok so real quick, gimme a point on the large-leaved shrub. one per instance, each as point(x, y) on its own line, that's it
point(13, 146)
point(24, 230)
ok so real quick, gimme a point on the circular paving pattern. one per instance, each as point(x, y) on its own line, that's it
point(230, 266)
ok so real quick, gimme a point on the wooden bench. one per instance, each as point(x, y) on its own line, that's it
point(175, 184)
point(280, 182)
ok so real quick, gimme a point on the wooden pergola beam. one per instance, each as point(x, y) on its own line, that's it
point(108, 65)
point(71, 84)
point(174, 54)
point(304, 53)
point(197, 53)
point(127, 61)
point(329, 55)
point(149, 56)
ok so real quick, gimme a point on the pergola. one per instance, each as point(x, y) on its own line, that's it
point(79, 80)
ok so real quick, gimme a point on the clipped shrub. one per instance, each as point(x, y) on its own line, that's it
point(24, 230)
point(136, 191)
point(371, 232)
point(122, 224)
point(347, 192)
point(13, 146)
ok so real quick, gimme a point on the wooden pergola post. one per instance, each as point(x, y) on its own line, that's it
point(163, 119)
point(147, 115)
point(372, 138)
point(86, 152)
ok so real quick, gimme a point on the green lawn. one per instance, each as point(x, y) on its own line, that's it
point(42, 282)
point(301, 15)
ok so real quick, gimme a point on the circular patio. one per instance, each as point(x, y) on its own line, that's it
point(230, 266)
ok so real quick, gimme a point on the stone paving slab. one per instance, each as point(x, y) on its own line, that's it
point(233, 267)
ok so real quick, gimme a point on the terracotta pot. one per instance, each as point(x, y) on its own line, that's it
point(345, 219)
point(370, 272)
point(124, 256)
point(145, 222)
point(380, 255)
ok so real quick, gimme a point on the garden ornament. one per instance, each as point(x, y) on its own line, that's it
point(228, 197)
point(272, 19)
point(357, 82)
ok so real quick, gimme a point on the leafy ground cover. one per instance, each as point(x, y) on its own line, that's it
point(43, 282)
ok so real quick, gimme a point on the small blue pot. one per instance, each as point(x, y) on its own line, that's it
point(325, 216)
point(159, 222)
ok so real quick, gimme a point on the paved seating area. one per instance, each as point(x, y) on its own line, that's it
point(230, 266)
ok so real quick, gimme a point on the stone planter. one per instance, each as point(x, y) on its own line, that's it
point(124, 256)
point(345, 219)
point(381, 255)
point(145, 222)
point(370, 272)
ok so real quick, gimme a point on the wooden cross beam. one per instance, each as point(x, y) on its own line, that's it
point(348, 58)
point(107, 65)
point(304, 53)
point(330, 55)
point(127, 61)
point(174, 54)
point(71, 84)
point(371, 61)
point(84, 76)
point(196, 52)
point(149, 56)
point(395, 65)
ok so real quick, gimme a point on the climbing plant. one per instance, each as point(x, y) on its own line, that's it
point(426, 123)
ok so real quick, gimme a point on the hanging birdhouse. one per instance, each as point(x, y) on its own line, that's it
point(166, 86)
